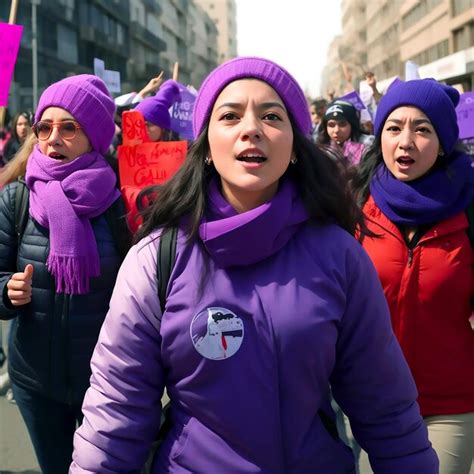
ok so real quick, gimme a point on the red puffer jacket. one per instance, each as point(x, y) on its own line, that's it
point(429, 291)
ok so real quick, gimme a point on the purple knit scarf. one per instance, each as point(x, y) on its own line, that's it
point(63, 198)
point(247, 238)
point(432, 198)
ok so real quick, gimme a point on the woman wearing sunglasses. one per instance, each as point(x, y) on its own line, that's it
point(57, 276)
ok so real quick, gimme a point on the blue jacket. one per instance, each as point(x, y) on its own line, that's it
point(54, 335)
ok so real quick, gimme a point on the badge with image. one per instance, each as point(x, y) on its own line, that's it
point(217, 333)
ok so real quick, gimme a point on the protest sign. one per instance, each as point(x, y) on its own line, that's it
point(150, 163)
point(134, 129)
point(465, 113)
point(353, 98)
point(182, 113)
point(411, 71)
point(10, 37)
point(141, 162)
point(469, 147)
point(111, 78)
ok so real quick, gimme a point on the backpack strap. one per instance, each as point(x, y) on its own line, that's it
point(117, 221)
point(22, 202)
point(470, 220)
point(165, 262)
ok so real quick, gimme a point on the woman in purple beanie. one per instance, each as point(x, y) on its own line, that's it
point(59, 259)
point(417, 189)
point(265, 309)
point(155, 111)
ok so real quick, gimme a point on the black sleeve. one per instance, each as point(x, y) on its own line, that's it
point(8, 247)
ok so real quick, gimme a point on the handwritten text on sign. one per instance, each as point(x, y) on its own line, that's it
point(150, 163)
point(465, 113)
point(134, 129)
point(10, 37)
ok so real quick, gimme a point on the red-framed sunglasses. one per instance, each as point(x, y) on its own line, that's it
point(67, 129)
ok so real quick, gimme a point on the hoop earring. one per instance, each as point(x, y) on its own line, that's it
point(441, 153)
point(208, 161)
point(294, 160)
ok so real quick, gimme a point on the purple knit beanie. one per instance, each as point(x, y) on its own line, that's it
point(87, 99)
point(251, 67)
point(437, 101)
point(155, 109)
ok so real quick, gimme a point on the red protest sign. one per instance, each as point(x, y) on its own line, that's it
point(141, 162)
point(150, 163)
point(10, 37)
point(133, 128)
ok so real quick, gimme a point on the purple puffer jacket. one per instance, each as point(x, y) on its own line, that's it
point(248, 344)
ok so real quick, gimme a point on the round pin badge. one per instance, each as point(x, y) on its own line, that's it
point(217, 333)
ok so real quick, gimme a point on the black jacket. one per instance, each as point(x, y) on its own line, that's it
point(55, 334)
point(10, 149)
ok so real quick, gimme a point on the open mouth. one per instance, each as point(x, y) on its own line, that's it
point(252, 158)
point(405, 161)
point(57, 156)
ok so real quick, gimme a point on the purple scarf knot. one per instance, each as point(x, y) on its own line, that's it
point(438, 195)
point(247, 238)
point(63, 198)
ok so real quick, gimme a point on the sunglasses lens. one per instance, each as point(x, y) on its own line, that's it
point(67, 130)
point(43, 130)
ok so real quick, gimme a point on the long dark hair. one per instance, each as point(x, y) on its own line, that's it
point(322, 182)
point(27, 115)
point(366, 169)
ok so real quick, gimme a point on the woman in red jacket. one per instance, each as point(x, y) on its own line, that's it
point(415, 189)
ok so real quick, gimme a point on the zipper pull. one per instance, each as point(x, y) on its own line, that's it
point(410, 257)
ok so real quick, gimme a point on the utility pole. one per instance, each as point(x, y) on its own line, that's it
point(34, 50)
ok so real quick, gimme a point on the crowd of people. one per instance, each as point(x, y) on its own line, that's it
point(302, 287)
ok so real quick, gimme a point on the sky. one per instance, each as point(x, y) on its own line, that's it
point(294, 33)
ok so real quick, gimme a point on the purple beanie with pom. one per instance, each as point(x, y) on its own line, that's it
point(257, 68)
point(87, 99)
point(437, 101)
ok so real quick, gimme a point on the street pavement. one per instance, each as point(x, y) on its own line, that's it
point(16, 451)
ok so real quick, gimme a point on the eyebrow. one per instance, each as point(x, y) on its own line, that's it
point(264, 105)
point(60, 120)
point(416, 122)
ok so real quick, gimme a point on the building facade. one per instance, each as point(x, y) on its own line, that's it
point(438, 35)
point(138, 38)
point(224, 15)
point(380, 36)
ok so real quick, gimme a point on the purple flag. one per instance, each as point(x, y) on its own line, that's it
point(353, 98)
point(182, 113)
point(10, 37)
point(465, 113)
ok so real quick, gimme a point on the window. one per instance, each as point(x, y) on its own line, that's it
point(431, 54)
point(67, 44)
point(464, 37)
point(460, 6)
point(420, 10)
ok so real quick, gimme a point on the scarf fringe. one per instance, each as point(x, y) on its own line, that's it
point(72, 273)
